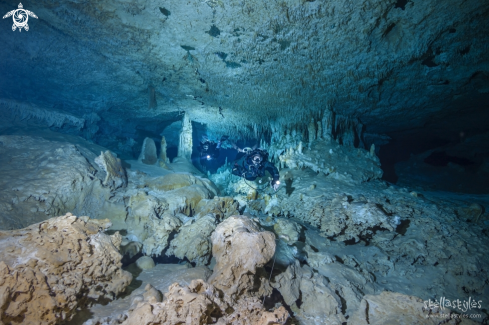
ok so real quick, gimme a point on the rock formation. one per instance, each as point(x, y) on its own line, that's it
point(288, 230)
point(163, 161)
point(148, 152)
point(49, 269)
point(318, 299)
point(199, 303)
point(185, 144)
point(193, 240)
point(41, 179)
point(240, 247)
point(115, 174)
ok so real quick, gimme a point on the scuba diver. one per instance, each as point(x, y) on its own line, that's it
point(253, 163)
point(209, 150)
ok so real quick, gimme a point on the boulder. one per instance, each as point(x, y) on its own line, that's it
point(193, 240)
point(115, 174)
point(145, 263)
point(287, 230)
point(318, 299)
point(50, 269)
point(221, 207)
point(240, 247)
point(199, 303)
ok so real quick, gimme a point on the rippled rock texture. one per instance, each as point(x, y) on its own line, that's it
point(49, 269)
point(229, 296)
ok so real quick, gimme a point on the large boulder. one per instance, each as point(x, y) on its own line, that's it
point(193, 240)
point(318, 300)
point(115, 174)
point(240, 247)
point(50, 269)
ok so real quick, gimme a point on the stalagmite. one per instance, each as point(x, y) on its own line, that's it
point(327, 121)
point(148, 152)
point(185, 145)
point(312, 130)
point(372, 150)
point(348, 136)
point(163, 157)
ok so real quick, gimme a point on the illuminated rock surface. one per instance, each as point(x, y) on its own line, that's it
point(50, 269)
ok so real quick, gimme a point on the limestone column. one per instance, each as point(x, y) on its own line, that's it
point(328, 121)
point(349, 135)
point(312, 131)
point(164, 161)
point(185, 145)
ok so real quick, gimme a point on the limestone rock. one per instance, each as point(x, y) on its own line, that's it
point(288, 283)
point(221, 207)
point(158, 231)
point(193, 240)
point(145, 263)
point(354, 167)
point(348, 220)
point(240, 247)
point(318, 299)
point(316, 259)
point(115, 174)
point(148, 152)
point(149, 224)
point(185, 144)
point(163, 161)
point(41, 179)
point(50, 269)
point(471, 213)
point(174, 181)
point(116, 240)
point(199, 303)
point(160, 278)
point(287, 230)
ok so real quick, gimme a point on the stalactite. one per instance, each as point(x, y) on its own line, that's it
point(319, 130)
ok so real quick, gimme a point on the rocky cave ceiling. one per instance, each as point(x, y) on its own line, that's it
point(238, 65)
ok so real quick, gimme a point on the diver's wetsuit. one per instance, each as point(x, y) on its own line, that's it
point(243, 168)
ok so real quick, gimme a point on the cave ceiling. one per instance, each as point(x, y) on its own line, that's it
point(231, 64)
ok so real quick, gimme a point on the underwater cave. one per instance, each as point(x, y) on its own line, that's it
point(244, 162)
